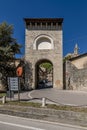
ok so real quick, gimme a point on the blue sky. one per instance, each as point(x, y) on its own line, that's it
point(74, 13)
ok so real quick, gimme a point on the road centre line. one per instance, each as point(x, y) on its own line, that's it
point(22, 126)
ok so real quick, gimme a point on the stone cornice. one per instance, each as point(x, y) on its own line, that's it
point(44, 20)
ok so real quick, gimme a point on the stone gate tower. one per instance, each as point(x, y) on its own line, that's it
point(43, 42)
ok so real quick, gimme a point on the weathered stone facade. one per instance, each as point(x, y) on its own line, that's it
point(75, 78)
point(43, 41)
point(80, 61)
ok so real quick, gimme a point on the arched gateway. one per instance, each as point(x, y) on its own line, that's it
point(43, 46)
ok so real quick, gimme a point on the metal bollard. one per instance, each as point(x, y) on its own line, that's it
point(4, 99)
point(43, 102)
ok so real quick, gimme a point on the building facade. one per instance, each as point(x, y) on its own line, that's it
point(43, 43)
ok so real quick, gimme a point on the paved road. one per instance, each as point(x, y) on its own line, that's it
point(66, 97)
point(17, 123)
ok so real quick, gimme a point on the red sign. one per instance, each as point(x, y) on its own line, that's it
point(19, 71)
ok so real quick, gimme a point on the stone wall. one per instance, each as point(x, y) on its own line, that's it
point(80, 62)
point(74, 79)
point(80, 79)
point(35, 55)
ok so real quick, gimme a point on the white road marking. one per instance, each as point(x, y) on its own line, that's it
point(29, 94)
point(48, 122)
point(22, 126)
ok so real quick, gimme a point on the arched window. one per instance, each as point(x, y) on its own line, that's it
point(43, 42)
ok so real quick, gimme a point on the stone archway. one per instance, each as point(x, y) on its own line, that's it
point(43, 40)
point(44, 74)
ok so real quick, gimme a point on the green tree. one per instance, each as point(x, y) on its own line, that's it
point(8, 45)
point(69, 56)
point(47, 66)
point(8, 48)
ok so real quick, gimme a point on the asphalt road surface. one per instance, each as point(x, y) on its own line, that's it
point(53, 95)
point(64, 97)
point(17, 123)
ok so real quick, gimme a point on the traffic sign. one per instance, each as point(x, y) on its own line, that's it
point(13, 83)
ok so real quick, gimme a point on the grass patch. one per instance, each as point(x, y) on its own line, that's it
point(25, 104)
point(49, 106)
point(68, 108)
point(2, 94)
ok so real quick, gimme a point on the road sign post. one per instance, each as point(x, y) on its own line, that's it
point(14, 85)
point(18, 88)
